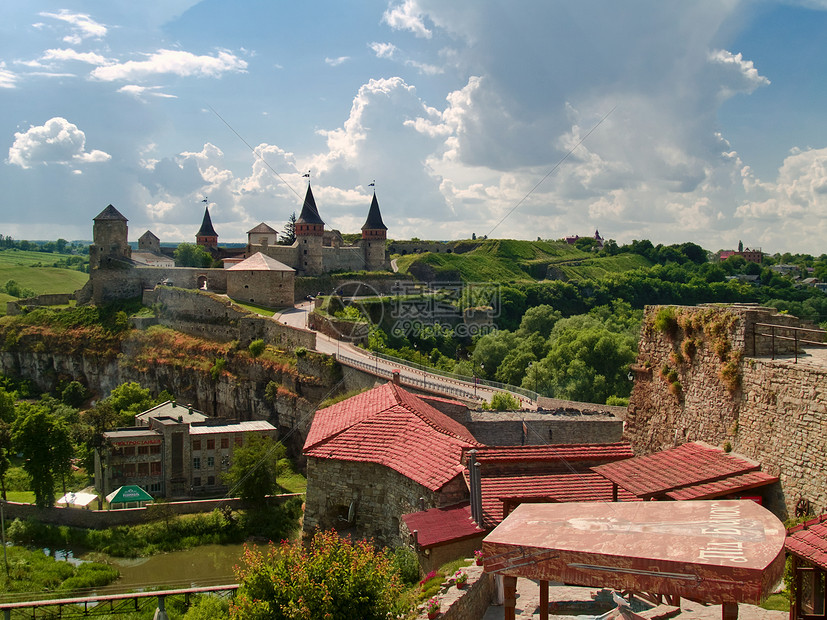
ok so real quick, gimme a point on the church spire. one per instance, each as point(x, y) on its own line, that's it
point(206, 235)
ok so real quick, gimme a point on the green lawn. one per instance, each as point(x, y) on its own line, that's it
point(24, 497)
point(293, 483)
point(255, 309)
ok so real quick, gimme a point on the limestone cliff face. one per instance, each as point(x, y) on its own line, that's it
point(238, 390)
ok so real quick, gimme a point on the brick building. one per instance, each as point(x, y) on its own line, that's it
point(173, 456)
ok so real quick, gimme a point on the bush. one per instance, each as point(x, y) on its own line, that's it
point(405, 563)
point(617, 401)
point(74, 394)
point(503, 401)
point(335, 579)
point(208, 608)
point(256, 347)
point(666, 321)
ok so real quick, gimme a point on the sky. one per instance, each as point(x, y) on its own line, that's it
point(666, 120)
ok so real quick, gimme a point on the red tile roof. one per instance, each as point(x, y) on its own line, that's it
point(438, 526)
point(733, 484)
point(809, 541)
point(392, 427)
point(554, 487)
point(555, 453)
point(691, 464)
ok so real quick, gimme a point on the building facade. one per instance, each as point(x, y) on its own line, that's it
point(173, 457)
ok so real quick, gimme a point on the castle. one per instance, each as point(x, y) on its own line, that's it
point(262, 274)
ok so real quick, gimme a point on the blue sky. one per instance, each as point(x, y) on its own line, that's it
point(706, 117)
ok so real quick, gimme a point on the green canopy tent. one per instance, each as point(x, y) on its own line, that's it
point(128, 494)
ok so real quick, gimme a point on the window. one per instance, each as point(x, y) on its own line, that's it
point(155, 468)
point(196, 444)
point(225, 443)
point(143, 469)
point(155, 449)
point(196, 463)
point(155, 487)
point(211, 444)
point(196, 482)
point(210, 462)
point(210, 480)
point(239, 440)
point(129, 470)
point(129, 451)
point(143, 450)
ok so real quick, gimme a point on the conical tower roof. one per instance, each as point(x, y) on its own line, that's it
point(206, 229)
point(309, 214)
point(110, 213)
point(374, 221)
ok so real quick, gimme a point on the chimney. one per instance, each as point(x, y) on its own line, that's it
point(173, 404)
point(396, 377)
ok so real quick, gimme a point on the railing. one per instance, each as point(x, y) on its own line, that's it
point(505, 387)
point(778, 332)
point(97, 605)
point(461, 389)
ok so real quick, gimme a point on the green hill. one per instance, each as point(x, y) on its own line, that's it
point(29, 270)
point(506, 260)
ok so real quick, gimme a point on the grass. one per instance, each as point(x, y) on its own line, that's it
point(19, 266)
point(23, 497)
point(255, 309)
point(32, 571)
point(293, 482)
point(510, 260)
point(777, 602)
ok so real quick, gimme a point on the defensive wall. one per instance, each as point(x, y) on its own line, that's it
point(706, 373)
point(51, 299)
point(102, 519)
point(125, 281)
point(217, 318)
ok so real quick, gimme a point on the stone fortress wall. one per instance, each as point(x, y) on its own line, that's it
point(709, 375)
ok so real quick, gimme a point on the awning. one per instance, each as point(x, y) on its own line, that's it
point(127, 494)
point(80, 500)
point(725, 551)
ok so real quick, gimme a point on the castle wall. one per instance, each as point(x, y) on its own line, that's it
point(772, 411)
point(271, 289)
point(347, 258)
point(124, 281)
point(287, 254)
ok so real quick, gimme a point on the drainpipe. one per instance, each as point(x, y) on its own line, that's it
point(473, 475)
point(478, 468)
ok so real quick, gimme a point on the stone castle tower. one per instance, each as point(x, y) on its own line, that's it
point(309, 234)
point(374, 235)
point(109, 238)
point(206, 236)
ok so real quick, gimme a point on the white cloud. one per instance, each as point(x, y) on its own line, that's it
point(737, 75)
point(70, 54)
point(140, 91)
point(174, 62)
point(8, 79)
point(335, 62)
point(425, 68)
point(383, 50)
point(57, 141)
point(83, 26)
point(407, 16)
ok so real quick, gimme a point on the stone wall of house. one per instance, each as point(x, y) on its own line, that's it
point(379, 496)
point(470, 602)
point(771, 411)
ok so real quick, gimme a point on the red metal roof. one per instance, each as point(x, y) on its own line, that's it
point(721, 551)
point(556, 452)
point(442, 525)
point(809, 541)
point(392, 427)
point(691, 464)
point(733, 484)
point(586, 486)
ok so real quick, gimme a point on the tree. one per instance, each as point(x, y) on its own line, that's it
point(129, 399)
point(289, 234)
point(192, 255)
point(5, 452)
point(334, 579)
point(254, 472)
point(44, 441)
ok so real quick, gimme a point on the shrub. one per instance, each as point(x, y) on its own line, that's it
point(617, 401)
point(676, 388)
point(503, 401)
point(74, 394)
point(334, 578)
point(666, 321)
point(256, 347)
point(217, 368)
point(208, 608)
point(405, 563)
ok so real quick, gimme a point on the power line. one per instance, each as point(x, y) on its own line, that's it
point(550, 172)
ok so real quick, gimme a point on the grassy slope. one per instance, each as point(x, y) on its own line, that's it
point(20, 266)
point(505, 260)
